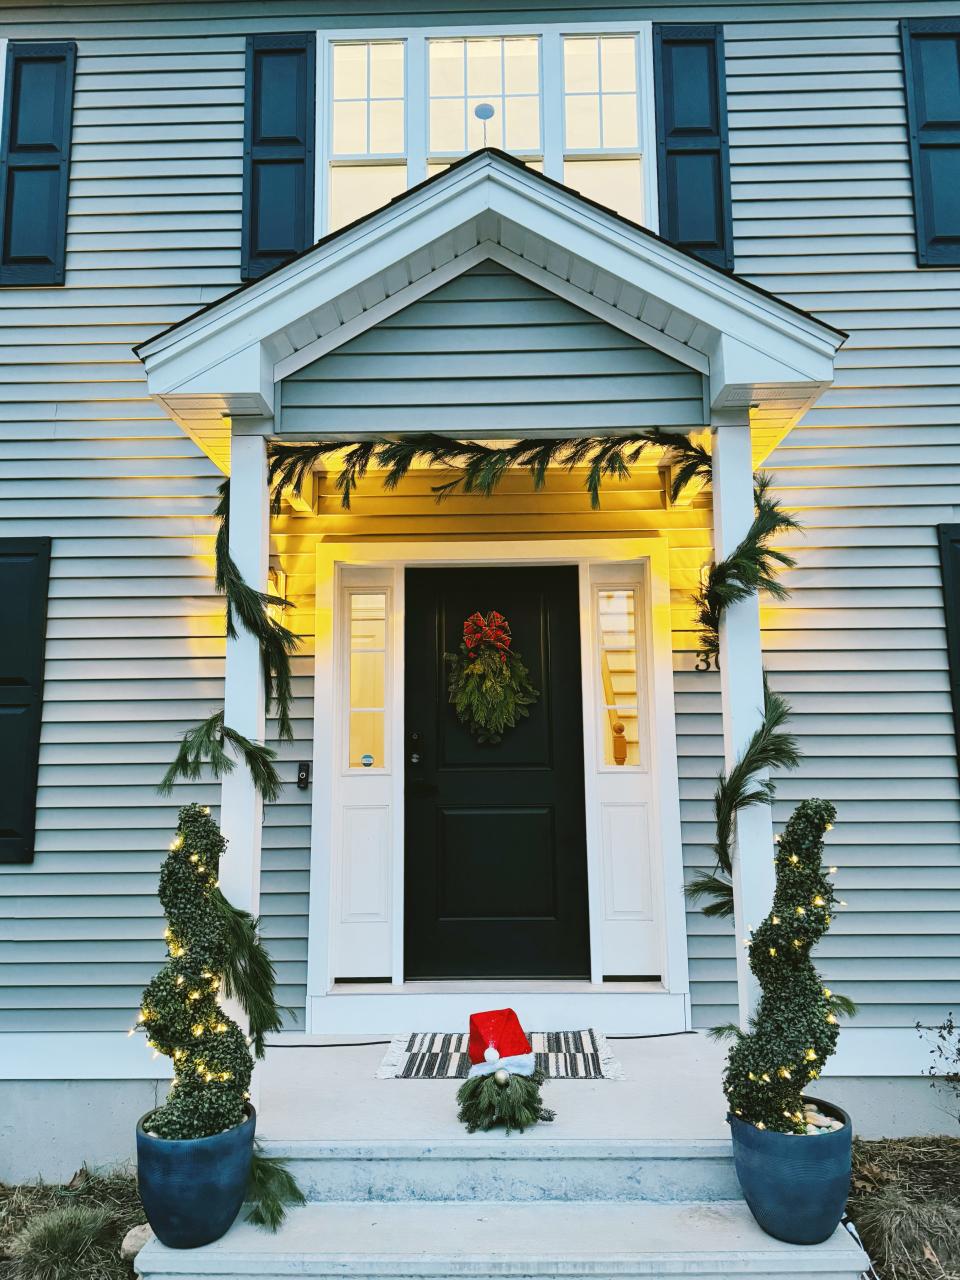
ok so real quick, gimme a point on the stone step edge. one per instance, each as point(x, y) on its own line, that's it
point(502, 1148)
point(746, 1255)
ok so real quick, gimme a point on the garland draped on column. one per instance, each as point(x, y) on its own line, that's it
point(752, 566)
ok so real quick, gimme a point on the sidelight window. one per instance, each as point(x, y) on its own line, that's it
point(367, 643)
point(618, 654)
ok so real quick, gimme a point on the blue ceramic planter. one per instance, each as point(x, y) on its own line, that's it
point(192, 1189)
point(796, 1186)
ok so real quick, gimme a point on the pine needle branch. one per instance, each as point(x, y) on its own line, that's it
point(203, 746)
point(272, 1187)
point(248, 974)
point(717, 888)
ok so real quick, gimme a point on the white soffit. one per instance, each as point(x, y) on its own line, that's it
point(756, 351)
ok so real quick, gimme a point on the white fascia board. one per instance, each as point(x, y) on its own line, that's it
point(722, 304)
point(434, 226)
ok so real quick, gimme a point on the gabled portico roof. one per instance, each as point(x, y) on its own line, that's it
point(754, 350)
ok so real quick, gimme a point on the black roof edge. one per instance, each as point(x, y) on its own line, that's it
point(517, 164)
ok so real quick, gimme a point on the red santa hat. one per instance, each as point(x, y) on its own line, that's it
point(496, 1034)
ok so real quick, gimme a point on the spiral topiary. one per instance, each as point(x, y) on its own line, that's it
point(795, 1028)
point(180, 1010)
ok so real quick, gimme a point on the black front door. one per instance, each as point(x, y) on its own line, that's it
point(496, 867)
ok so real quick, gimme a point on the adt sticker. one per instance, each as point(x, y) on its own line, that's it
point(366, 760)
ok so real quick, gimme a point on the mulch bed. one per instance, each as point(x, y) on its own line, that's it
point(115, 1195)
point(905, 1203)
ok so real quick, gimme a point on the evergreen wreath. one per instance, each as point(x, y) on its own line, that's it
point(489, 683)
point(212, 948)
point(797, 1021)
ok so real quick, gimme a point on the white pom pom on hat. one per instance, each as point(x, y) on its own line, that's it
point(491, 1054)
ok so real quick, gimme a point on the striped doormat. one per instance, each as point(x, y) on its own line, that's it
point(437, 1055)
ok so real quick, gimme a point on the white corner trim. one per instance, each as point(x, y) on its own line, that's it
point(80, 1055)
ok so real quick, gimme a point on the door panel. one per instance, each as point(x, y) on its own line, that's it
point(495, 844)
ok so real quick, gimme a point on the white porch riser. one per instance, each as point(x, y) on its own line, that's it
point(484, 1241)
point(480, 1169)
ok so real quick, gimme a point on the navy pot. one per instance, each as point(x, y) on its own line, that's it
point(796, 1185)
point(192, 1188)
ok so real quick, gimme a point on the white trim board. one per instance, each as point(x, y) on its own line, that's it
point(869, 1052)
point(334, 561)
point(224, 359)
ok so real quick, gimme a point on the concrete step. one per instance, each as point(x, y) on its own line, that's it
point(523, 1167)
point(429, 1241)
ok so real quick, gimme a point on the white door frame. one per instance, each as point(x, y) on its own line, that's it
point(331, 559)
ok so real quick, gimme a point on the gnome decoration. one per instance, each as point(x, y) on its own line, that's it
point(503, 1086)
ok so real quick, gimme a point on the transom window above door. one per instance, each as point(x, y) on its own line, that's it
point(575, 104)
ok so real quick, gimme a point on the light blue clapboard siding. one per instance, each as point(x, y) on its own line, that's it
point(823, 216)
point(491, 351)
point(135, 637)
point(154, 232)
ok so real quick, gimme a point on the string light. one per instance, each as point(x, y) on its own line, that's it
point(801, 911)
point(810, 1055)
point(833, 870)
point(793, 858)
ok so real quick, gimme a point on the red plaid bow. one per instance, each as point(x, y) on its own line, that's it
point(493, 629)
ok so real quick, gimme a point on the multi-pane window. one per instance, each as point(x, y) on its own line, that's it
point(601, 121)
point(499, 73)
point(366, 737)
point(619, 684)
point(569, 104)
point(368, 129)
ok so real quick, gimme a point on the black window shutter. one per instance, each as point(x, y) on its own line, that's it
point(931, 67)
point(24, 578)
point(693, 163)
point(35, 161)
point(278, 151)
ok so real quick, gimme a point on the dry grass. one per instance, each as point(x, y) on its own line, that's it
point(70, 1232)
point(905, 1203)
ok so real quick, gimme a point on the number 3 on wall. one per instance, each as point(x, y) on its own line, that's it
point(707, 661)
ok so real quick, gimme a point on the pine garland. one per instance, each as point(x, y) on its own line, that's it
point(751, 567)
point(203, 745)
point(276, 642)
point(482, 466)
point(485, 1104)
point(795, 1028)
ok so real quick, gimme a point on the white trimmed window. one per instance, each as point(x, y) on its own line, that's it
point(368, 136)
point(601, 120)
point(574, 103)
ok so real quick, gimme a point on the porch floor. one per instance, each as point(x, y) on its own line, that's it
point(323, 1089)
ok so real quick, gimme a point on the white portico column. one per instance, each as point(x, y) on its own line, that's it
point(741, 687)
point(241, 809)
